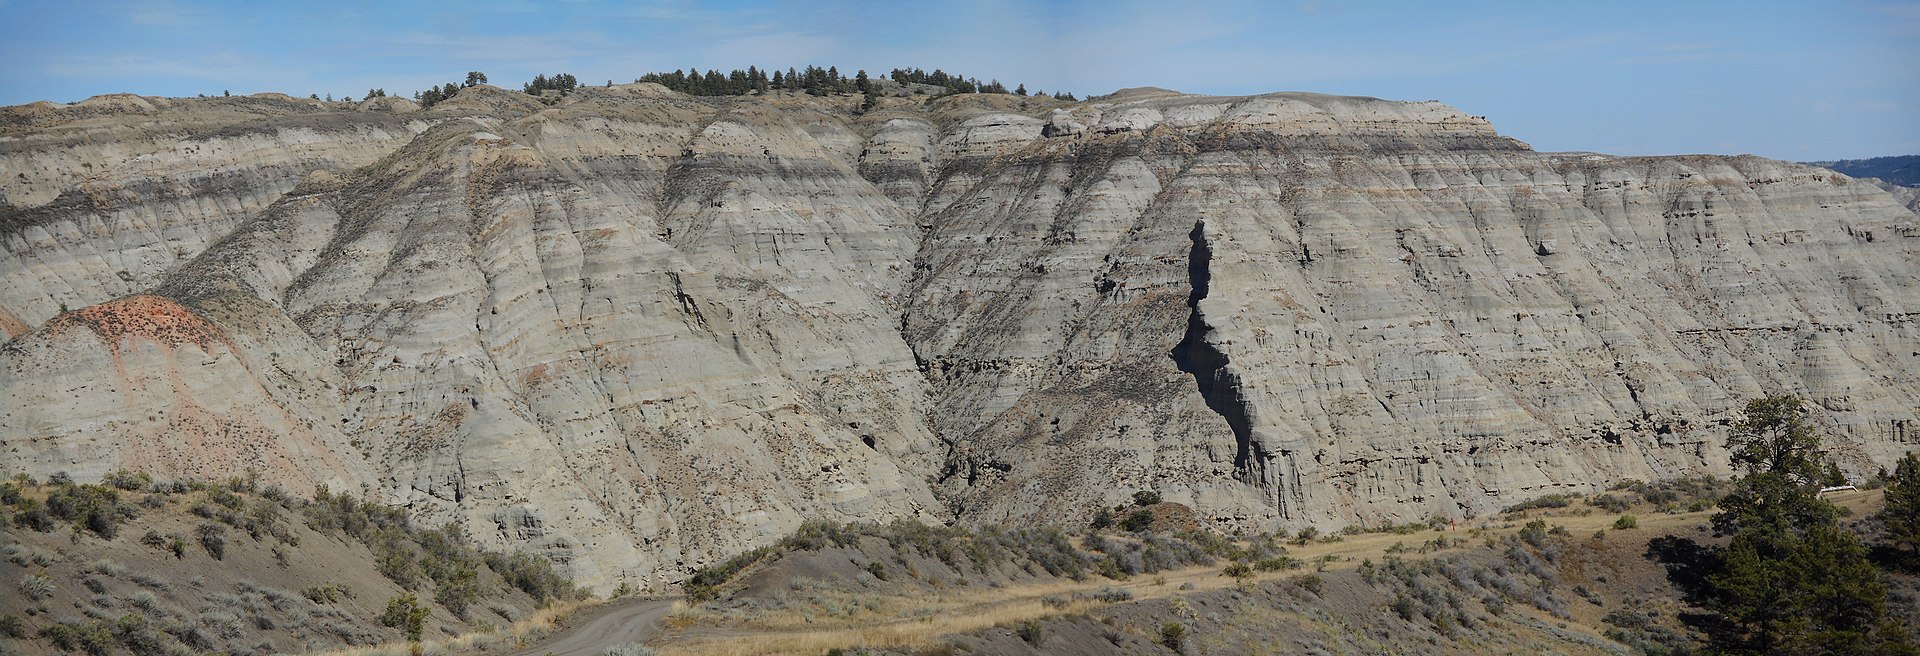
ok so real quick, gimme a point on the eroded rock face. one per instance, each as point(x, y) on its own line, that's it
point(101, 198)
point(1908, 196)
point(643, 331)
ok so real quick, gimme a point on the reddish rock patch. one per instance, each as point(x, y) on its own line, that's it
point(535, 376)
point(154, 318)
point(1170, 516)
point(12, 325)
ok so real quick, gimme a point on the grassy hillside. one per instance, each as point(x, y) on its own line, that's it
point(1561, 574)
point(136, 566)
point(131, 566)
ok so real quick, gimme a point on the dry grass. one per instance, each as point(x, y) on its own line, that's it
point(914, 633)
point(917, 621)
point(1579, 519)
point(683, 615)
point(518, 634)
point(697, 632)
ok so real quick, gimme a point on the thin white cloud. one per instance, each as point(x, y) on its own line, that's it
point(216, 66)
point(771, 49)
point(486, 48)
point(162, 14)
point(1901, 19)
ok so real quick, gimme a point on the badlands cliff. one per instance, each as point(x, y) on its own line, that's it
point(640, 331)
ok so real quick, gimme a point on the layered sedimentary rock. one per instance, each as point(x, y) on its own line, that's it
point(1908, 196)
point(103, 197)
point(1390, 301)
point(642, 331)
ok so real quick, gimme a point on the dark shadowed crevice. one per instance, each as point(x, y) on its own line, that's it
point(1199, 273)
point(1218, 386)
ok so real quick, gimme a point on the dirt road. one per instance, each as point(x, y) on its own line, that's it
point(611, 624)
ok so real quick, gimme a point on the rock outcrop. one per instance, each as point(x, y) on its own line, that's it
point(1908, 196)
point(641, 331)
point(103, 197)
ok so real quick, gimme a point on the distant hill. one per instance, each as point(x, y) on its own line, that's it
point(1903, 170)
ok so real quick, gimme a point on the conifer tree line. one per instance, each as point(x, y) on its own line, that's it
point(955, 83)
point(561, 82)
point(818, 81)
point(433, 95)
point(812, 80)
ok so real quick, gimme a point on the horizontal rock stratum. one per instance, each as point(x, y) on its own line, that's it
point(640, 331)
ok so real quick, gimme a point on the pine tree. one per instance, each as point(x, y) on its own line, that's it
point(869, 91)
point(1774, 436)
point(1021, 91)
point(475, 77)
point(1901, 517)
point(1813, 591)
point(1768, 502)
point(1792, 580)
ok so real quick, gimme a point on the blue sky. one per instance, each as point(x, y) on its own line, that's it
point(1793, 80)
